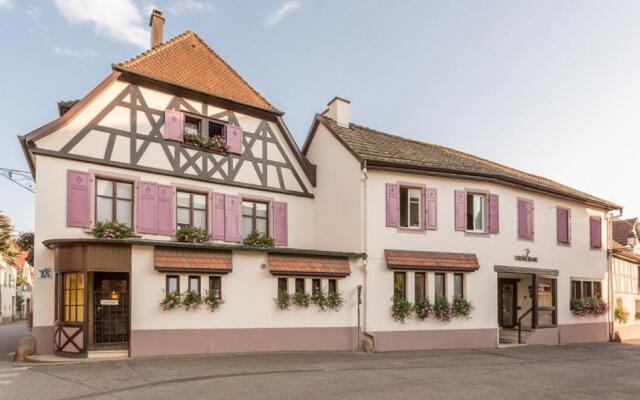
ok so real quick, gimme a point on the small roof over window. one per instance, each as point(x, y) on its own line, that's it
point(431, 260)
point(178, 260)
point(305, 265)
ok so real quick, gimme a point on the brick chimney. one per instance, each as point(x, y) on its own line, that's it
point(339, 111)
point(157, 27)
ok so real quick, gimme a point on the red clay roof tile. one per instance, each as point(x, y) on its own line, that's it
point(430, 260)
point(176, 260)
point(317, 266)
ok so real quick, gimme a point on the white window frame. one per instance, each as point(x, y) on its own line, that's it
point(483, 210)
point(408, 205)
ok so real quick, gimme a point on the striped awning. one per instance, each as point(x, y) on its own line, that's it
point(308, 265)
point(431, 260)
point(179, 260)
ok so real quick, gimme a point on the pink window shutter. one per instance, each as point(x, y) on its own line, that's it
point(280, 223)
point(522, 219)
point(234, 138)
point(529, 219)
point(432, 209)
point(232, 210)
point(460, 200)
point(78, 199)
point(393, 204)
point(423, 204)
point(173, 125)
point(147, 218)
point(494, 214)
point(217, 215)
point(563, 225)
point(596, 232)
point(165, 210)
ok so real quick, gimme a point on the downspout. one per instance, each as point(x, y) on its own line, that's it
point(363, 244)
point(610, 296)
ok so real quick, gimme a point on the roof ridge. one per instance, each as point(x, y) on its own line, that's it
point(465, 154)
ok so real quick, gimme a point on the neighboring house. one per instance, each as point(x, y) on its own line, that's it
point(439, 223)
point(24, 287)
point(357, 211)
point(625, 283)
point(8, 279)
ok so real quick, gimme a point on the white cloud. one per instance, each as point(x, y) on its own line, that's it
point(116, 19)
point(182, 6)
point(6, 4)
point(65, 51)
point(287, 8)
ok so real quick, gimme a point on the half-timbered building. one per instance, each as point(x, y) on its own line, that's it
point(166, 184)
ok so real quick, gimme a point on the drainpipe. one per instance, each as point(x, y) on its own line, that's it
point(363, 246)
point(610, 296)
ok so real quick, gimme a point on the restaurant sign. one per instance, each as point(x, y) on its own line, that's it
point(526, 256)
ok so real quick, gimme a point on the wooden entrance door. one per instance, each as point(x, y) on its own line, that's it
point(507, 303)
point(111, 309)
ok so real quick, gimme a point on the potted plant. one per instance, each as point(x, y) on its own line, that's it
point(319, 298)
point(283, 300)
point(400, 308)
point(171, 301)
point(590, 306)
point(216, 143)
point(335, 301)
point(423, 309)
point(213, 300)
point(257, 239)
point(112, 230)
point(621, 315)
point(301, 299)
point(461, 308)
point(192, 139)
point(190, 234)
point(442, 309)
point(191, 300)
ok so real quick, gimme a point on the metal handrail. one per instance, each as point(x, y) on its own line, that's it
point(520, 324)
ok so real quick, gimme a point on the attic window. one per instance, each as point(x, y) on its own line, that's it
point(216, 129)
point(191, 126)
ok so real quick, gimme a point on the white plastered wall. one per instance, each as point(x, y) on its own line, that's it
point(625, 289)
point(575, 261)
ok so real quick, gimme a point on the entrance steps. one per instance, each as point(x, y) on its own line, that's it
point(108, 354)
point(510, 336)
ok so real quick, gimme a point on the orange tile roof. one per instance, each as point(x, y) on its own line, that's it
point(175, 260)
point(187, 61)
point(430, 260)
point(317, 266)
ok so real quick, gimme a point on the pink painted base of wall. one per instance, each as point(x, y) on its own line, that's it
point(44, 339)
point(432, 339)
point(584, 333)
point(548, 336)
point(145, 343)
point(628, 332)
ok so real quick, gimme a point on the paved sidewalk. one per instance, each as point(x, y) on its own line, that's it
point(596, 371)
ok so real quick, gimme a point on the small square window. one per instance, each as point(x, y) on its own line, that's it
point(173, 284)
point(299, 285)
point(400, 284)
point(315, 286)
point(441, 285)
point(282, 285)
point(215, 285)
point(420, 286)
point(333, 286)
point(458, 285)
point(194, 284)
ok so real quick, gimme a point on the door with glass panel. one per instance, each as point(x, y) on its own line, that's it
point(507, 304)
point(111, 308)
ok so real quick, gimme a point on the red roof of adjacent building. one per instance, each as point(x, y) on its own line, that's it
point(187, 61)
point(305, 265)
point(430, 260)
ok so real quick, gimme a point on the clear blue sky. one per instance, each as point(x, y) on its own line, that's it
point(549, 87)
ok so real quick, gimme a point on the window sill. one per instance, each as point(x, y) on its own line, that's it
point(410, 230)
point(208, 150)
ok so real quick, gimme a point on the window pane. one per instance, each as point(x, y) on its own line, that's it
point(282, 284)
point(315, 285)
point(123, 211)
point(104, 188)
point(458, 288)
point(80, 314)
point(200, 219)
point(299, 285)
point(576, 290)
point(191, 127)
point(400, 284)
point(215, 284)
point(215, 129)
point(247, 208)
point(183, 216)
point(545, 293)
point(261, 225)
point(247, 225)
point(420, 286)
point(194, 283)
point(597, 289)
point(261, 210)
point(414, 207)
point(333, 286)
point(123, 190)
point(183, 199)
point(404, 207)
point(200, 201)
point(104, 210)
point(587, 289)
point(478, 212)
point(440, 286)
point(172, 283)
